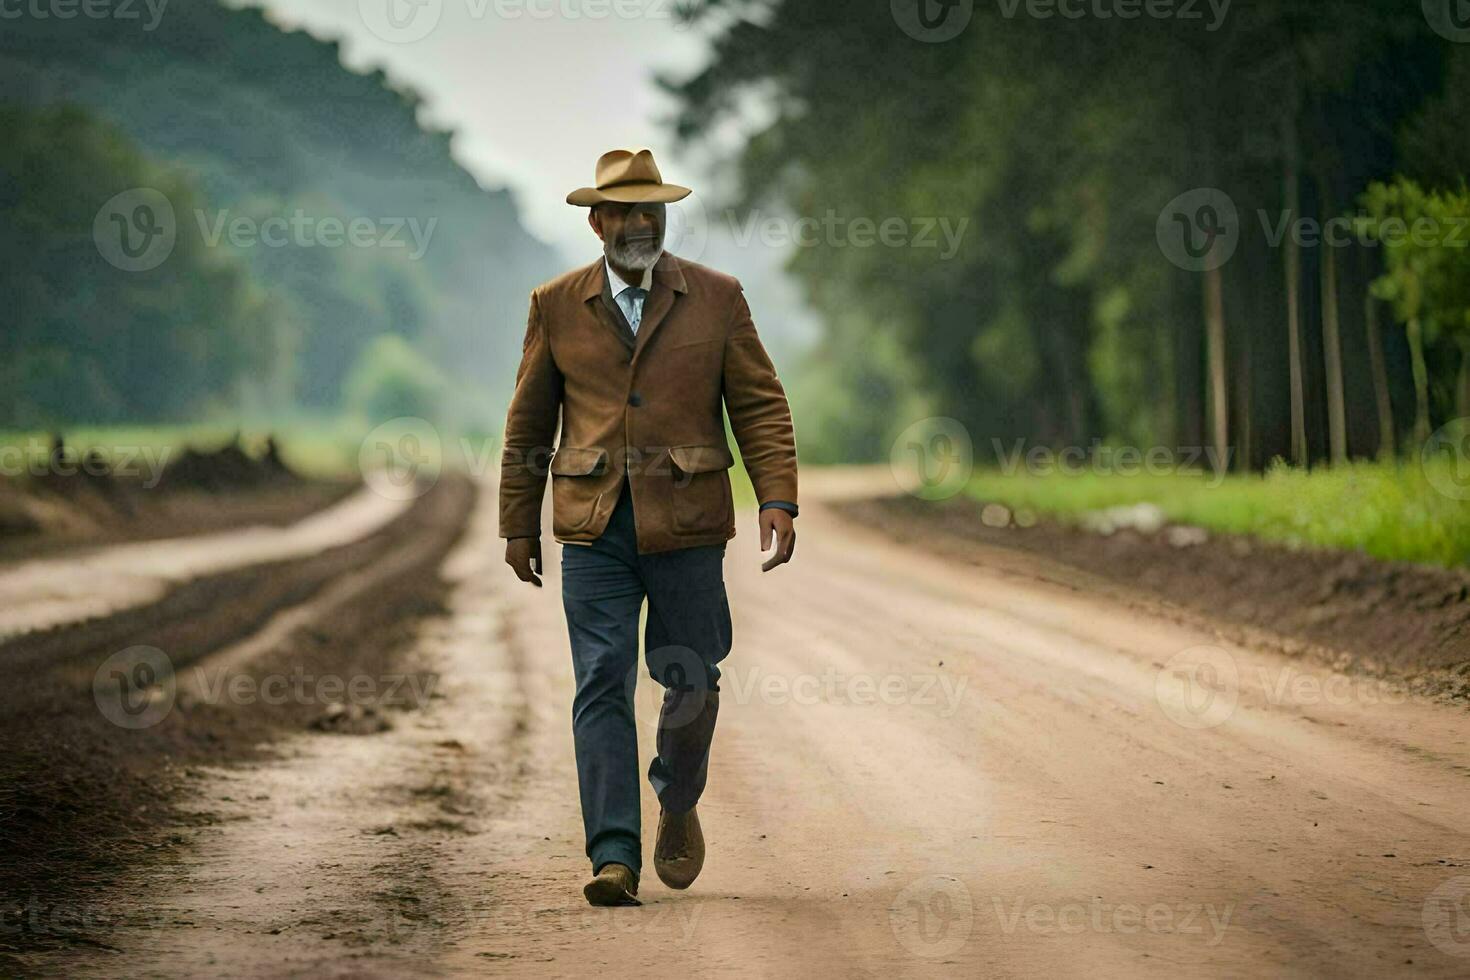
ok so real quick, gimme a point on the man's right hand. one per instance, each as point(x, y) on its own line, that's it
point(524, 555)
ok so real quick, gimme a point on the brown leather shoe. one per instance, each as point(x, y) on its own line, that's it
point(679, 854)
point(615, 884)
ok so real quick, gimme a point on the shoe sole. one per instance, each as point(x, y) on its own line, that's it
point(679, 875)
point(674, 880)
point(605, 892)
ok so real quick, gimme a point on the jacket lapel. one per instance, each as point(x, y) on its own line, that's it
point(597, 293)
point(668, 286)
point(620, 322)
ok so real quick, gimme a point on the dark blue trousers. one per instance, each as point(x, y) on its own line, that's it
point(604, 585)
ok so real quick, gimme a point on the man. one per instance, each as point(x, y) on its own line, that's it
point(638, 352)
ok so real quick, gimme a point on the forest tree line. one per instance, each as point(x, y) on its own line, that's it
point(1063, 141)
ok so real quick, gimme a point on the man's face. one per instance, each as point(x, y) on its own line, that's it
point(632, 234)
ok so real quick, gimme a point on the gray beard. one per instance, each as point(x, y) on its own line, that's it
point(639, 255)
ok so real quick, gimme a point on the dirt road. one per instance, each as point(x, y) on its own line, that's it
point(923, 768)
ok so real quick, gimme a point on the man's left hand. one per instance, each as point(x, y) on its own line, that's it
point(778, 523)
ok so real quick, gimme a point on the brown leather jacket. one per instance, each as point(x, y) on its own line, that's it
point(645, 406)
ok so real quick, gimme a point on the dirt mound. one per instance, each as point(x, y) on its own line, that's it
point(73, 494)
point(227, 468)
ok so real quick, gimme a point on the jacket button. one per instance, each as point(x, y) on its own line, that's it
point(635, 399)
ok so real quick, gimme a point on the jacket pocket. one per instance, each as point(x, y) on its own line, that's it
point(700, 485)
point(574, 496)
point(571, 461)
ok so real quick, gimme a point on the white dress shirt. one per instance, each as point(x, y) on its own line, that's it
point(631, 306)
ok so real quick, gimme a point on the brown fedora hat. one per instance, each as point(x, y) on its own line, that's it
point(627, 177)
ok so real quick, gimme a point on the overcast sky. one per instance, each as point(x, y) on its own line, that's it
point(536, 90)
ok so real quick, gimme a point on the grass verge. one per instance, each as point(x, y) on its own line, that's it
point(1402, 512)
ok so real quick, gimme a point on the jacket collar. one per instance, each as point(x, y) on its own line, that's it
point(668, 271)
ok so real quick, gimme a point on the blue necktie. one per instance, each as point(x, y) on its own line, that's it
point(630, 301)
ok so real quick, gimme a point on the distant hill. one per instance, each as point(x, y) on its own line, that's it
point(264, 123)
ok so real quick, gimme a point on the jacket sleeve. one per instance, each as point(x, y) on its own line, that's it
point(530, 427)
point(759, 414)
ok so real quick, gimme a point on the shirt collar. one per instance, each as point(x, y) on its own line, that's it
point(617, 285)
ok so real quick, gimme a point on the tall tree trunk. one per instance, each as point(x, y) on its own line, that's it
point(1215, 338)
point(1293, 293)
point(1244, 414)
point(1332, 341)
point(1387, 447)
point(1421, 382)
point(1189, 401)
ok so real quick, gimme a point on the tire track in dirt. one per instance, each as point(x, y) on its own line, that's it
point(83, 801)
point(342, 855)
point(48, 593)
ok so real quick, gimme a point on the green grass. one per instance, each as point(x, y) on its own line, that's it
point(1385, 510)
